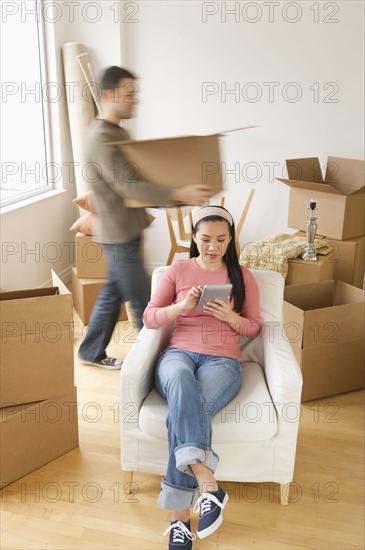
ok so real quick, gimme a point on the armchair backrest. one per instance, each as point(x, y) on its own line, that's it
point(271, 285)
point(156, 276)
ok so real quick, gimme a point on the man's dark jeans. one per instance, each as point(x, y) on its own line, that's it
point(127, 282)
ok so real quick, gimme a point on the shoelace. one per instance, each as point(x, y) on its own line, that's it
point(205, 503)
point(180, 531)
point(110, 361)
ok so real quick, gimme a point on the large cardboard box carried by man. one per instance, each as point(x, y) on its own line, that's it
point(175, 162)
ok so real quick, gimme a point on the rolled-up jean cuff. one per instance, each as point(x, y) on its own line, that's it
point(191, 454)
point(176, 498)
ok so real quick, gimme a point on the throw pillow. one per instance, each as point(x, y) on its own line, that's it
point(85, 201)
point(85, 224)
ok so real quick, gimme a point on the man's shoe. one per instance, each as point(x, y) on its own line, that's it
point(110, 363)
point(211, 507)
point(180, 536)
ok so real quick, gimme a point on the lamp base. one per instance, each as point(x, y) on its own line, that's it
point(309, 253)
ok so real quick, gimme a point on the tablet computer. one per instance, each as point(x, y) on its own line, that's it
point(211, 292)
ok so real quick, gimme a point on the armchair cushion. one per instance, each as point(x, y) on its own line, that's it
point(243, 420)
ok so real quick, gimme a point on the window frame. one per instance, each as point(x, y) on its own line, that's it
point(25, 196)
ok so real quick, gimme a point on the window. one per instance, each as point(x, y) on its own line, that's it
point(26, 167)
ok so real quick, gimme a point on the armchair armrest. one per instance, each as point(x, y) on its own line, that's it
point(284, 380)
point(136, 381)
point(282, 372)
point(137, 374)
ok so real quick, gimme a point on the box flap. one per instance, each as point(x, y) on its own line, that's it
point(57, 282)
point(173, 138)
point(348, 294)
point(293, 324)
point(310, 296)
point(325, 250)
point(305, 169)
point(225, 132)
point(343, 176)
point(346, 175)
point(310, 185)
point(330, 325)
point(30, 293)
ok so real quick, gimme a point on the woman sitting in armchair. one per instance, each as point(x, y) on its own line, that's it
point(201, 370)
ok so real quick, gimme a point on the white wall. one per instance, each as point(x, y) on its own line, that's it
point(36, 237)
point(175, 53)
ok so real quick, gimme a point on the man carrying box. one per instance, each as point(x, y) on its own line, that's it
point(119, 228)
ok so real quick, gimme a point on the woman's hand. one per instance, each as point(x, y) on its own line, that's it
point(192, 298)
point(220, 310)
point(189, 302)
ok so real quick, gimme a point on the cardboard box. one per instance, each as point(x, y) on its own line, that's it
point(348, 258)
point(175, 162)
point(37, 356)
point(324, 323)
point(302, 271)
point(33, 434)
point(91, 260)
point(85, 293)
point(340, 197)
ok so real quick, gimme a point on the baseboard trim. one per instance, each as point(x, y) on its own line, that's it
point(64, 275)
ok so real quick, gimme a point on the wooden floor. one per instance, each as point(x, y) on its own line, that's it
point(77, 501)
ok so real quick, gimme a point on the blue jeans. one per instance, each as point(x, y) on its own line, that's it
point(127, 281)
point(196, 387)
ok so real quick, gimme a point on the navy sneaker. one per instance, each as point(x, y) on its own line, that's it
point(211, 507)
point(180, 535)
point(109, 363)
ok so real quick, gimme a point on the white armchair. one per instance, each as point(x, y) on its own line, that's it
point(255, 435)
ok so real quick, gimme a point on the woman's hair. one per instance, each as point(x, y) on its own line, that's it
point(230, 257)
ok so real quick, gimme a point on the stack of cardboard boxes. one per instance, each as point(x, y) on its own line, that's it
point(38, 408)
point(88, 277)
point(324, 320)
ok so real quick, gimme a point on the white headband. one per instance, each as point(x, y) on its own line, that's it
point(206, 211)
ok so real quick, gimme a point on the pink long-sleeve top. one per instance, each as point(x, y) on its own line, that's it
point(198, 331)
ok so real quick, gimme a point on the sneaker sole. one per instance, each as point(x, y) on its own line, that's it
point(106, 367)
point(218, 522)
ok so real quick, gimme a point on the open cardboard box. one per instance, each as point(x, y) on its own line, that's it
point(340, 196)
point(37, 356)
point(324, 323)
point(176, 162)
point(32, 434)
